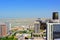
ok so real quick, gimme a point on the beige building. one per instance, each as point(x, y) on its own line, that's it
point(17, 28)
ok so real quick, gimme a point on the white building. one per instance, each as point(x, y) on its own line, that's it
point(8, 27)
point(37, 27)
point(53, 31)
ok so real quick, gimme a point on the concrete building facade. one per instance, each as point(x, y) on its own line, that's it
point(3, 30)
point(36, 27)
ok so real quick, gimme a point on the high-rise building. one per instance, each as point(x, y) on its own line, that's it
point(55, 15)
point(53, 31)
point(55, 18)
point(37, 27)
point(8, 27)
point(3, 30)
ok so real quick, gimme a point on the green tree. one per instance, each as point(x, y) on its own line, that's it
point(15, 39)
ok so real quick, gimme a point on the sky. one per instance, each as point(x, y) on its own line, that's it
point(28, 8)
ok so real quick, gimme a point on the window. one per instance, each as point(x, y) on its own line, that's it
point(56, 31)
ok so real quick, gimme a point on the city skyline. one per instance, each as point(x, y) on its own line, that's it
point(28, 8)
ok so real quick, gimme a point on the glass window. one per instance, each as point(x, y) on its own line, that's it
point(56, 32)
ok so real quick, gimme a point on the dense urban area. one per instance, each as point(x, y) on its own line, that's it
point(30, 29)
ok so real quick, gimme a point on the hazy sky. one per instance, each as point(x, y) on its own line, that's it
point(28, 8)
